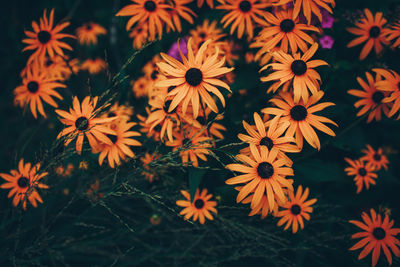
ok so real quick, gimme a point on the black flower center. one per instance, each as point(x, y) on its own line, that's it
point(199, 203)
point(194, 76)
point(266, 141)
point(374, 32)
point(295, 209)
point(33, 87)
point(377, 157)
point(287, 25)
point(113, 138)
point(362, 171)
point(82, 123)
point(48, 62)
point(377, 97)
point(245, 6)
point(201, 120)
point(154, 75)
point(88, 27)
point(299, 67)
point(150, 6)
point(265, 170)
point(23, 182)
point(44, 37)
point(166, 106)
point(379, 233)
point(202, 35)
point(298, 113)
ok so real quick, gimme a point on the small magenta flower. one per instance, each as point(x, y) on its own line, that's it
point(174, 50)
point(327, 19)
point(326, 41)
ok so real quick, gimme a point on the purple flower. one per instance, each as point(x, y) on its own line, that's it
point(326, 41)
point(327, 19)
point(174, 50)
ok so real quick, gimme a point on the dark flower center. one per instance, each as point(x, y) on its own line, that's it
point(44, 37)
point(194, 76)
point(374, 31)
point(172, 87)
point(377, 157)
point(362, 171)
point(111, 114)
point(298, 113)
point(287, 25)
point(166, 106)
point(113, 138)
point(266, 141)
point(23, 182)
point(299, 67)
point(295, 209)
point(265, 170)
point(33, 87)
point(199, 203)
point(377, 97)
point(202, 35)
point(202, 120)
point(379, 233)
point(154, 74)
point(150, 6)
point(48, 62)
point(82, 123)
point(88, 27)
point(245, 6)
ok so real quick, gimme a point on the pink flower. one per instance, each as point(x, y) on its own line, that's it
point(174, 50)
point(327, 19)
point(326, 41)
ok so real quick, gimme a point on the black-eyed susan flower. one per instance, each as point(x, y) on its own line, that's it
point(89, 32)
point(139, 87)
point(299, 70)
point(264, 173)
point(243, 14)
point(152, 12)
point(194, 78)
point(301, 117)
point(119, 148)
point(46, 39)
point(296, 209)
point(371, 98)
point(363, 172)
point(149, 173)
point(36, 87)
point(391, 84)
point(23, 184)
point(94, 66)
point(375, 157)
point(377, 235)
point(370, 30)
point(200, 208)
point(393, 33)
point(179, 10)
point(82, 120)
point(140, 35)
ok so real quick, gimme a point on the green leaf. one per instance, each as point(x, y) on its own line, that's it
point(195, 177)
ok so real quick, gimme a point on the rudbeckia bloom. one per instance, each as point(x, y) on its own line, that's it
point(264, 173)
point(23, 184)
point(270, 138)
point(301, 117)
point(392, 33)
point(390, 83)
point(88, 33)
point(364, 173)
point(371, 98)
point(194, 78)
point(200, 208)
point(298, 70)
point(152, 12)
point(375, 157)
point(376, 235)
point(37, 86)
point(119, 149)
point(295, 209)
point(149, 173)
point(243, 14)
point(285, 30)
point(140, 35)
point(139, 87)
point(178, 10)
point(94, 66)
point(45, 39)
point(81, 121)
point(370, 29)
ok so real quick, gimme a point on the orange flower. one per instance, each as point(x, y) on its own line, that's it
point(94, 66)
point(298, 70)
point(301, 117)
point(376, 158)
point(370, 29)
point(364, 173)
point(371, 98)
point(390, 83)
point(140, 35)
point(392, 33)
point(376, 234)
point(88, 33)
point(45, 39)
point(204, 32)
point(148, 172)
point(296, 209)
point(23, 184)
point(199, 208)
